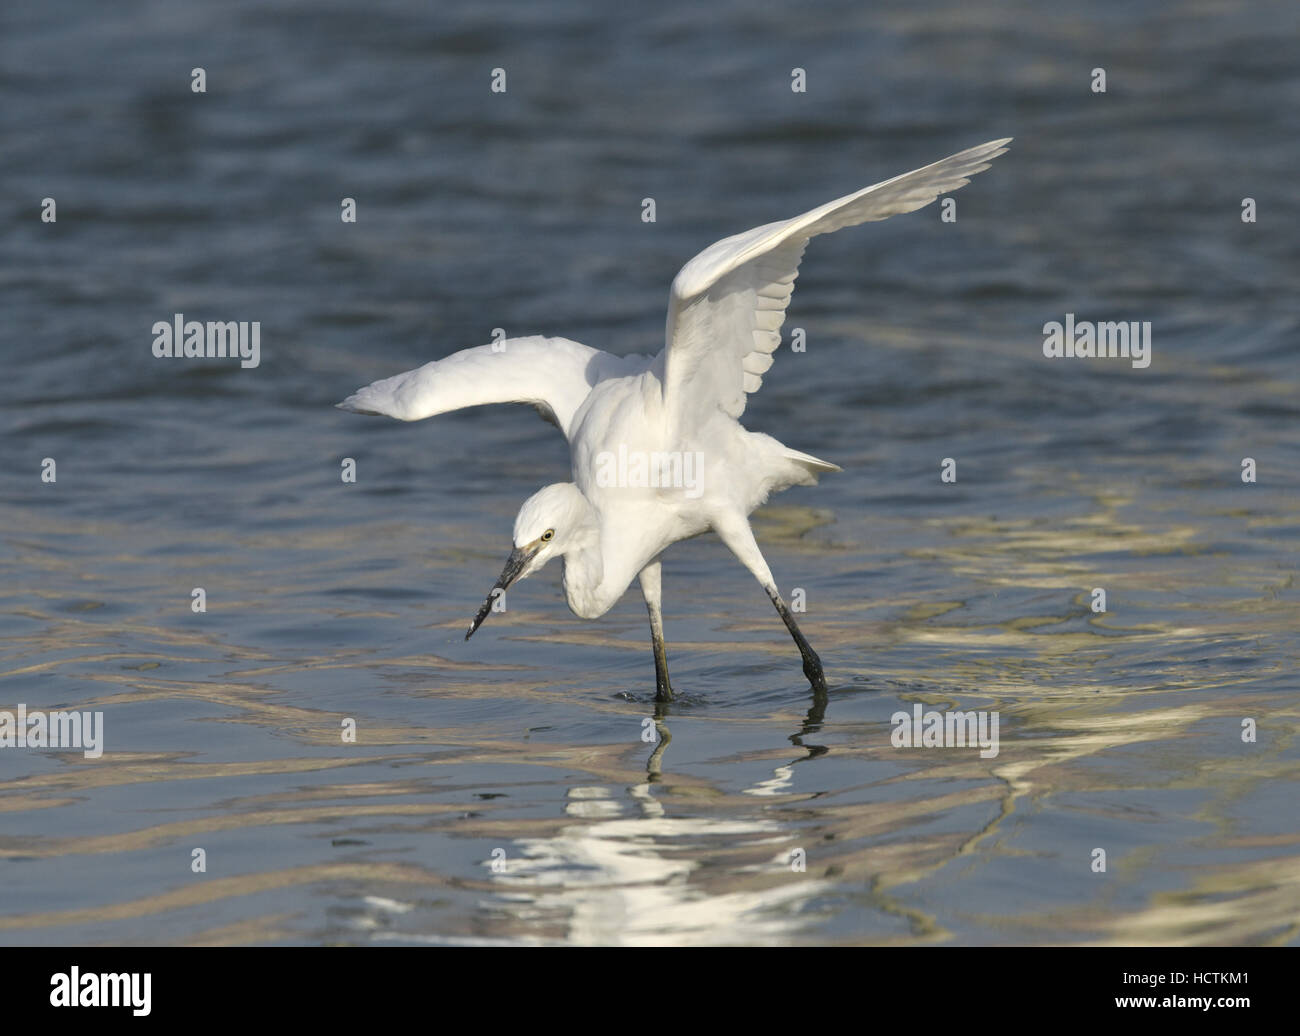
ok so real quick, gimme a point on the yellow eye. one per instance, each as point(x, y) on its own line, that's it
point(548, 534)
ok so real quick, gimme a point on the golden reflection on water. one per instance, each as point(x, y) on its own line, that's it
point(641, 853)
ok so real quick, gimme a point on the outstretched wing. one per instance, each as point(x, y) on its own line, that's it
point(553, 374)
point(727, 304)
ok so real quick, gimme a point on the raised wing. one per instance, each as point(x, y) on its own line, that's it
point(553, 374)
point(727, 304)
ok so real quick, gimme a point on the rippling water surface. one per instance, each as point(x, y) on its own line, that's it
point(501, 790)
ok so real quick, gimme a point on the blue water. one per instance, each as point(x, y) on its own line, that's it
point(329, 601)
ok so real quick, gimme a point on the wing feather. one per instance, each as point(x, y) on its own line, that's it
point(555, 375)
point(727, 305)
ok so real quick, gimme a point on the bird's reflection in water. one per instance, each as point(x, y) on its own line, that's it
point(812, 724)
point(654, 765)
point(611, 879)
point(783, 776)
point(637, 879)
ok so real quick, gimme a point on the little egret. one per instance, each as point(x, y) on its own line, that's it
point(657, 452)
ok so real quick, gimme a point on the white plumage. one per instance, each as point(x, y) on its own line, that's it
point(677, 410)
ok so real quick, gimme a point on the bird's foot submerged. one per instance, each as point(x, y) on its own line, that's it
point(812, 669)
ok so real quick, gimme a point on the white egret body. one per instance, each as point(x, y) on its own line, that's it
point(675, 409)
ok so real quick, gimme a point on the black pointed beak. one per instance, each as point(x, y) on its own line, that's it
point(514, 565)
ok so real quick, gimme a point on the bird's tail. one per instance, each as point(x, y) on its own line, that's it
point(810, 464)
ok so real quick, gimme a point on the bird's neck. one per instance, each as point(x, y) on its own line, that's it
point(585, 585)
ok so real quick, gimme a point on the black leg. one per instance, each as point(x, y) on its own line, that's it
point(663, 689)
point(812, 665)
point(651, 591)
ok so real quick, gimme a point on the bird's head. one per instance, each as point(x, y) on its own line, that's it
point(552, 521)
